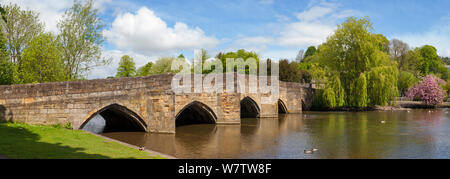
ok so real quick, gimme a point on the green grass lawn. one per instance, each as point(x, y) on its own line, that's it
point(22, 141)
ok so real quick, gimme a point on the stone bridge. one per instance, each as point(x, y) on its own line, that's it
point(139, 104)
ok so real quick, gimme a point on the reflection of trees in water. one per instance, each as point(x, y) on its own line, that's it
point(362, 135)
point(336, 135)
point(265, 138)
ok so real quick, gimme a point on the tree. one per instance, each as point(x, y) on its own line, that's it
point(42, 61)
point(6, 67)
point(299, 57)
point(81, 38)
point(310, 52)
point(126, 67)
point(405, 81)
point(203, 56)
point(289, 71)
point(3, 14)
point(21, 26)
point(429, 61)
point(164, 65)
point(399, 51)
point(145, 70)
point(446, 60)
point(353, 63)
point(428, 90)
point(243, 54)
point(181, 56)
point(411, 63)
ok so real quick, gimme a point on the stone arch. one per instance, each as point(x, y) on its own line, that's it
point(282, 108)
point(114, 118)
point(249, 108)
point(195, 113)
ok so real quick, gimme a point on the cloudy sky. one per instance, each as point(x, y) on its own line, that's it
point(274, 29)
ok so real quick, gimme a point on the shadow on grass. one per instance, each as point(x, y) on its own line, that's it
point(20, 143)
point(17, 142)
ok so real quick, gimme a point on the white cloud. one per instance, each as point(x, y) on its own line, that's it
point(146, 33)
point(314, 13)
point(314, 25)
point(438, 36)
point(50, 11)
point(311, 27)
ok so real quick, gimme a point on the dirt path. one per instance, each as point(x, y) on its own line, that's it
point(3, 157)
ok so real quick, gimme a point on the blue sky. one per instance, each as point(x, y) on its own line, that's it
point(274, 29)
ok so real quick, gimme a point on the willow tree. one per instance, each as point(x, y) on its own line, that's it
point(354, 67)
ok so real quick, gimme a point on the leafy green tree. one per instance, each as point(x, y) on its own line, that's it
point(81, 38)
point(164, 65)
point(203, 56)
point(243, 54)
point(405, 81)
point(181, 56)
point(145, 70)
point(429, 61)
point(127, 67)
point(6, 67)
point(21, 26)
point(42, 61)
point(310, 52)
point(446, 60)
point(383, 43)
point(354, 65)
point(289, 71)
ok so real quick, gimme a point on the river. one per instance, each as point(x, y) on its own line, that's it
point(403, 134)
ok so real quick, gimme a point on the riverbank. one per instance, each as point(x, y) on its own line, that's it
point(23, 141)
point(400, 106)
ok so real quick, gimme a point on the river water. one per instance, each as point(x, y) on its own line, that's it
point(403, 134)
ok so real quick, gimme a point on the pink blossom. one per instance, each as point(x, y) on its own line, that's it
point(427, 90)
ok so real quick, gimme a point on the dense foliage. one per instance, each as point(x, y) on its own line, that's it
point(145, 70)
point(35, 57)
point(353, 67)
point(405, 81)
point(240, 54)
point(6, 67)
point(42, 61)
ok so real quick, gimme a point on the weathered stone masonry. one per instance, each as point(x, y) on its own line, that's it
point(150, 98)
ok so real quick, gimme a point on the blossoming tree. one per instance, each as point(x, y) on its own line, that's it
point(428, 90)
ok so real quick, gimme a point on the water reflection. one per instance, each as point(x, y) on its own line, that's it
point(414, 134)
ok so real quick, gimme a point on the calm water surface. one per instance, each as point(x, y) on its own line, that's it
point(414, 134)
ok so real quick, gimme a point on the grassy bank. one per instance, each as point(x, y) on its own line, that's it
point(22, 141)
